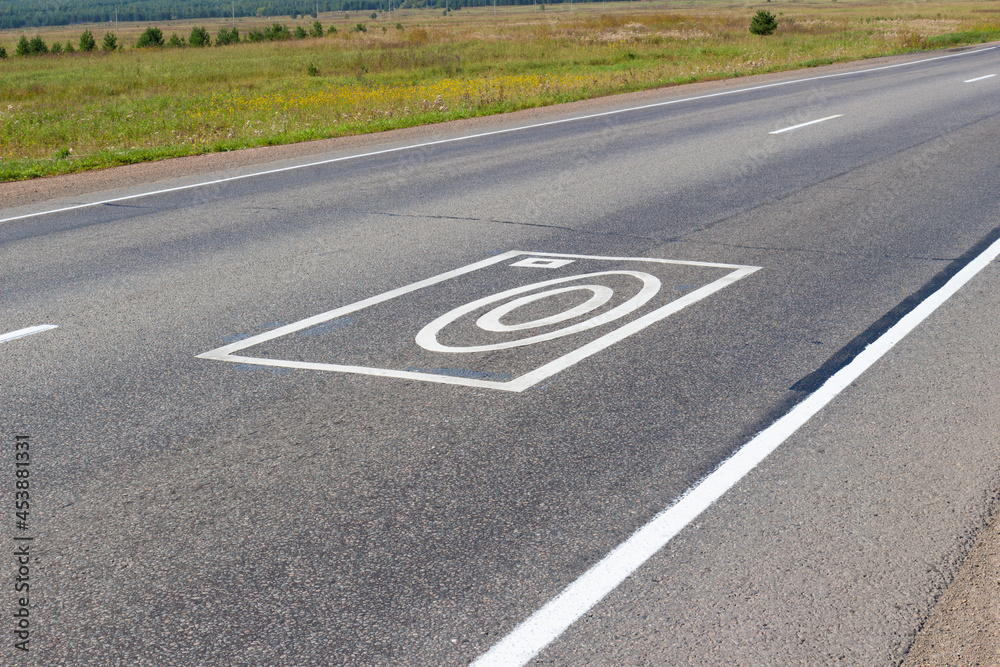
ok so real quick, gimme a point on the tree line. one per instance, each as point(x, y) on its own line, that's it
point(20, 14)
point(153, 38)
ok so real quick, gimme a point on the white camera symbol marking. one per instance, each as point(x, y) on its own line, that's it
point(543, 263)
point(427, 338)
point(491, 320)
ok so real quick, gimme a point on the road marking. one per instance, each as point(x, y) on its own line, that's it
point(479, 135)
point(600, 295)
point(812, 122)
point(980, 78)
point(427, 337)
point(27, 331)
point(541, 262)
point(549, 622)
point(530, 374)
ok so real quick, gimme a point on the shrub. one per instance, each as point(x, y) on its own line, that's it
point(312, 70)
point(87, 41)
point(399, 26)
point(175, 41)
point(255, 36)
point(110, 42)
point(3, 53)
point(56, 48)
point(199, 37)
point(37, 46)
point(69, 47)
point(316, 30)
point(227, 37)
point(299, 32)
point(360, 28)
point(912, 40)
point(151, 39)
point(763, 23)
point(277, 32)
point(373, 16)
point(23, 47)
point(332, 30)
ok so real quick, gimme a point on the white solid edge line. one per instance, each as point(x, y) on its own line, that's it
point(27, 331)
point(549, 622)
point(980, 78)
point(490, 133)
point(812, 122)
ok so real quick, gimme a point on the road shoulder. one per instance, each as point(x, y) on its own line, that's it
point(37, 190)
point(964, 628)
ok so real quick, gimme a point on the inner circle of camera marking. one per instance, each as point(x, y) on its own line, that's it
point(427, 338)
point(491, 320)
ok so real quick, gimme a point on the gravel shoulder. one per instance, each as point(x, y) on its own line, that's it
point(964, 628)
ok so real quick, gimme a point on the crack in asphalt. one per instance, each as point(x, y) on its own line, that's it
point(517, 223)
point(814, 251)
point(829, 182)
point(663, 240)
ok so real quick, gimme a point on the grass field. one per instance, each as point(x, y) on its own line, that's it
point(71, 112)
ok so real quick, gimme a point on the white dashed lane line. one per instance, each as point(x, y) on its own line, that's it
point(27, 331)
point(812, 122)
point(980, 78)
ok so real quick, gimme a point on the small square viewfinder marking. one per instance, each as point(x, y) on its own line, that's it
point(485, 325)
point(543, 263)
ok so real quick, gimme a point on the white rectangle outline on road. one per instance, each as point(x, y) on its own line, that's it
point(518, 384)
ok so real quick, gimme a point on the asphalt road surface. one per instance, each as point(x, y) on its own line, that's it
point(380, 406)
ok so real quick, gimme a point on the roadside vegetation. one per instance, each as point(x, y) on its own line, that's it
point(87, 97)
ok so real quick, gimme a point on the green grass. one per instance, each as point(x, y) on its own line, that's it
point(965, 37)
point(73, 112)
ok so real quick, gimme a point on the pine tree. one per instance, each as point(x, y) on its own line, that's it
point(87, 41)
point(763, 23)
point(199, 37)
point(152, 38)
